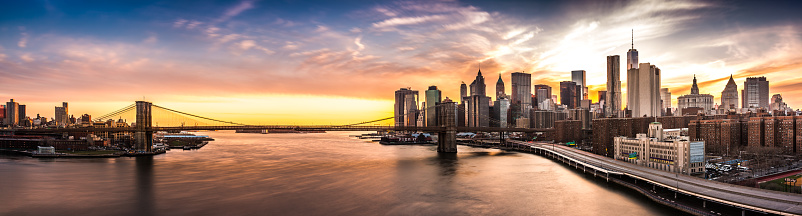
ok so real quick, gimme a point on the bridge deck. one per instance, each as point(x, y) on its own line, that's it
point(745, 197)
point(283, 127)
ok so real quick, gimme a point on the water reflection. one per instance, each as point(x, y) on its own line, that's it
point(144, 186)
point(447, 163)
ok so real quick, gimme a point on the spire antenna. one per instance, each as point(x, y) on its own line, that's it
point(633, 38)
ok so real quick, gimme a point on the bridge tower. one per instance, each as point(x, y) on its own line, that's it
point(447, 118)
point(144, 126)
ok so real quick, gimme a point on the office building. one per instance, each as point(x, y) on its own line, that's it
point(729, 97)
point(500, 88)
point(62, 116)
point(569, 94)
point(478, 105)
point(579, 77)
point(22, 116)
point(12, 113)
point(695, 100)
point(433, 99)
point(544, 94)
point(612, 105)
point(671, 154)
point(643, 90)
point(463, 92)
point(406, 107)
point(776, 103)
point(755, 93)
point(500, 112)
point(632, 55)
point(521, 94)
point(665, 99)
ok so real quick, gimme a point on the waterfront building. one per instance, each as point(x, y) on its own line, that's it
point(755, 93)
point(62, 115)
point(672, 154)
point(500, 88)
point(568, 131)
point(612, 105)
point(729, 97)
point(579, 77)
point(695, 100)
point(12, 113)
point(433, 99)
point(406, 110)
point(521, 94)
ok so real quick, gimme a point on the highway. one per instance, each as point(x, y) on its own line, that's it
point(745, 197)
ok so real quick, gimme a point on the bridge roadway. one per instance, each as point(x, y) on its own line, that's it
point(284, 127)
point(774, 202)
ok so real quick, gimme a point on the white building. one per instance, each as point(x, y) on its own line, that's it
point(643, 90)
point(655, 150)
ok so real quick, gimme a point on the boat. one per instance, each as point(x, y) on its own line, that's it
point(406, 139)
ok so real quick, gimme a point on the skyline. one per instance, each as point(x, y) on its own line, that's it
point(287, 60)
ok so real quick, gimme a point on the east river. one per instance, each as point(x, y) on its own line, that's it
point(311, 174)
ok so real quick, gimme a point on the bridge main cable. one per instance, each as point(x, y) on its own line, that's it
point(196, 116)
point(123, 110)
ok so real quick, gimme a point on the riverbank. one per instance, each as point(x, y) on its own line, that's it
point(81, 154)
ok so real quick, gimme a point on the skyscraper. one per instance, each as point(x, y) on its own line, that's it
point(632, 55)
point(755, 93)
point(729, 97)
point(21, 115)
point(579, 77)
point(500, 88)
point(463, 92)
point(542, 95)
point(568, 94)
point(665, 98)
point(478, 107)
point(433, 99)
point(521, 94)
point(643, 90)
point(12, 113)
point(613, 103)
point(406, 108)
point(62, 115)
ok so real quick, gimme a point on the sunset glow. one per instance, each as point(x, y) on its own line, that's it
point(266, 62)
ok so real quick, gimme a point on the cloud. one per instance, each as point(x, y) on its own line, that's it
point(250, 44)
point(193, 24)
point(151, 39)
point(23, 41)
point(27, 57)
point(179, 23)
point(236, 10)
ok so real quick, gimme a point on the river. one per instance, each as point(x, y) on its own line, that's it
point(311, 174)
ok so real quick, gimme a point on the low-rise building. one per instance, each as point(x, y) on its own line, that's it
point(655, 150)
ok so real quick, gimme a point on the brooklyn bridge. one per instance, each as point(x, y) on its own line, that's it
point(174, 120)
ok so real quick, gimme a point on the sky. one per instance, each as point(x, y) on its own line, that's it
point(332, 62)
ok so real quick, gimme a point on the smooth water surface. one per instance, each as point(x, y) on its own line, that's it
point(311, 174)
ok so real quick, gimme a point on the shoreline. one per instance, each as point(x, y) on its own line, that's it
point(32, 155)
